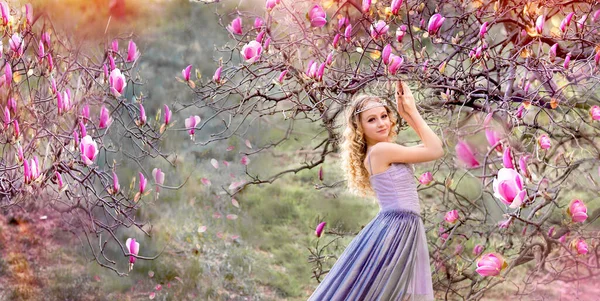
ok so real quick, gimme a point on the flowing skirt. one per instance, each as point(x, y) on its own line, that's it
point(387, 260)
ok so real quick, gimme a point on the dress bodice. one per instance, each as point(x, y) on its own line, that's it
point(396, 188)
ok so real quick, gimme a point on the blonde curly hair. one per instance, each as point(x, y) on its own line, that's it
point(354, 146)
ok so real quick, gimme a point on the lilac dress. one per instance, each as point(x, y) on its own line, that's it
point(388, 259)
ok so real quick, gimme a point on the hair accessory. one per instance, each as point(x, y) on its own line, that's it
point(375, 105)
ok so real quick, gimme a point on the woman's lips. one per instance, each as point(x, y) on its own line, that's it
point(382, 131)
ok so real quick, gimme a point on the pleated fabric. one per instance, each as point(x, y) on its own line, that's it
point(389, 258)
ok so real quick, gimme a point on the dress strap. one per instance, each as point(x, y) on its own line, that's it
point(369, 159)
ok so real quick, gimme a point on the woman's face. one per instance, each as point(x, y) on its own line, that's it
point(376, 124)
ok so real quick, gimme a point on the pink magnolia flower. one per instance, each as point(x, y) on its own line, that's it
point(490, 264)
point(366, 5)
point(85, 113)
point(435, 23)
point(348, 33)
point(507, 159)
point(251, 51)
point(343, 21)
point(270, 4)
point(379, 29)
point(82, 128)
point(266, 44)
point(563, 238)
point(8, 74)
point(186, 72)
point(580, 246)
point(451, 216)
point(67, 104)
point(16, 128)
point(581, 22)
point(133, 248)
point(400, 33)
point(105, 70)
point(395, 6)
point(508, 187)
point(5, 12)
point(426, 178)
point(26, 172)
point(311, 69)
point(143, 182)
point(595, 112)
point(329, 59)
point(115, 46)
point(281, 76)
point(132, 52)
point(465, 154)
point(190, 124)
point(28, 13)
point(336, 40)
point(41, 50)
point(493, 137)
point(544, 141)
point(159, 177)
point(552, 52)
point(258, 23)
point(539, 24)
point(578, 211)
point(89, 150)
point(142, 115)
point(567, 61)
point(167, 115)
point(59, 180)
point(523, 165)
point(320, 71)
point(50, 62)
point(117, 82)
point(319, 229)
point(566, 22)
point(317, 16)
point(16, 44)
point(442, 233)
point(236, 26)
point(35, 168)
point(19, 152)
point(505, 223)
point(12, 105)
point(46, 38)
point(111, 61)
point(385, 54)
point(260, 36)
point(116, 186)
point(245, 160)
point(483, 30)
point(217, 76)
point(105, 119)
point(477, 249)
point(596, 16)
point(75, 138)
point(521, 110)
point(395, 63)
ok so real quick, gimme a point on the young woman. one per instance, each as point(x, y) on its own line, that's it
point(388, 259)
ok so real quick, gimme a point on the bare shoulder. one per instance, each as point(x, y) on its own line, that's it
point(391, 152)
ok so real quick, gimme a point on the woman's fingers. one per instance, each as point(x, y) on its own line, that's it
point(399, 87)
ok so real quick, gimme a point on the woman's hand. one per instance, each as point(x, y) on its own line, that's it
point(405, 100)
